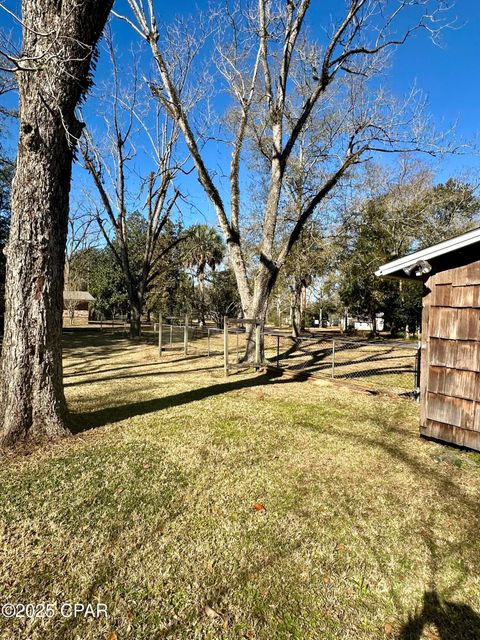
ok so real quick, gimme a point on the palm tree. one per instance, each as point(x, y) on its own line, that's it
point(203, 248)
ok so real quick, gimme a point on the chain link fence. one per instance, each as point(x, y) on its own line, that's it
point(205, 341)
point(189, 339)
point(389, 365)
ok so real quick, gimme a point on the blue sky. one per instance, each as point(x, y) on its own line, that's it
point(448, 75)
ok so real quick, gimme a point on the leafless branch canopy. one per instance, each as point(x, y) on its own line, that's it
point(111, 165)
point(296, 100)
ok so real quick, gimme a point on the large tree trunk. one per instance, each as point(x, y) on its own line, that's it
point(32, 401)
point(136, 301)
point(303, 308)
point(135, 320)
point(295, 310)
point(257, 310)
point(32, 390)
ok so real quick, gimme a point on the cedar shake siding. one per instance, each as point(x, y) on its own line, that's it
point(450, 354)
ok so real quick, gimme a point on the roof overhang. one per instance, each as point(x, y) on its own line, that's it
point(77, 296)
point(416, 264)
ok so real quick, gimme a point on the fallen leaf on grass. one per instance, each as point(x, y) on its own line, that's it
point(388, 629)
point(112, 636)
point(340, 547)
point(258, 506)
point(211, 613)
point(431, 635)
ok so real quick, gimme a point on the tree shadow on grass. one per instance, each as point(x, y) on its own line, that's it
point(320, 359)
point(93, 419)
point(452, 620)
point(131, 376)
point(85, 367)
point(159, 505)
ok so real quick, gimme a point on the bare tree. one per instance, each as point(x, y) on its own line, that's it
point(278, 80)
point(157, 197)
point(52, 72)
point(307, 260)
point(82, 235)
point(8, 82)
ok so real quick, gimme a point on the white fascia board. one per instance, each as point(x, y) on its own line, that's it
point(466, 239)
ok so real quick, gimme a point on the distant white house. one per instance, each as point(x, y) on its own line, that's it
point(363, 325)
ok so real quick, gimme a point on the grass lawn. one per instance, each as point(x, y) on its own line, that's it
point(360, 529)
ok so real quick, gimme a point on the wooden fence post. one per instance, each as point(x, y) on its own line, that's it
point(333, 358)
point(258, 330)
point(160, 335)
point(208, 341)
point(225, 345)
point(185, 337)
point(278, 352)
point(418, 366)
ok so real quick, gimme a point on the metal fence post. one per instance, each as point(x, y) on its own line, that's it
point(333, 358)
point(185, 337)
point(225, 345)
point(160, 334)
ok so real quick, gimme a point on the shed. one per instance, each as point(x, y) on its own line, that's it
point(76, 304)
point(450, 346)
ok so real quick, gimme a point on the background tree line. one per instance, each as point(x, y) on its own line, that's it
point(331, 272)
point(330, 269)
point(189, 279)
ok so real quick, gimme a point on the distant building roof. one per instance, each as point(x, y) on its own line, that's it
point(77, 296)
point(416, 264)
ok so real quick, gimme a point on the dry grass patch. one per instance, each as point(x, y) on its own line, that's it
point(361, 530)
